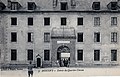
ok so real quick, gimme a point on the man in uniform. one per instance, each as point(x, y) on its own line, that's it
point(30, 70)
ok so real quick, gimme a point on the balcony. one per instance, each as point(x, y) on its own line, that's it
point(63, 33)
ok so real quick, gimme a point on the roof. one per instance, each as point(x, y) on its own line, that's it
point(47, 5)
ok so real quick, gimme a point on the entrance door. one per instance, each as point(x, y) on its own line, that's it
point(38, 62)
point(63, 56)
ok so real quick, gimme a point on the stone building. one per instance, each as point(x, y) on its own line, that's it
point(59, 33)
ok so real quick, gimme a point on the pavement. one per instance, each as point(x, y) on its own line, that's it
point(62, 72)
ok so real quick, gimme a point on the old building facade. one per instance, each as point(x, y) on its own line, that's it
point(59, 33)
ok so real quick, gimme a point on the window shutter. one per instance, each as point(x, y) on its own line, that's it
point(32, 37)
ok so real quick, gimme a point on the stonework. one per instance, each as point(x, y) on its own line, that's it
point(66, 33)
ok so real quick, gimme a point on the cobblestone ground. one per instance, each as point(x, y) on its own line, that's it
point(63, 72)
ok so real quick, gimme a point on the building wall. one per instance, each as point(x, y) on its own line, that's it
point(38, 29)
point(2, 38)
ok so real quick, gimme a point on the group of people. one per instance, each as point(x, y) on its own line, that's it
point(64, 62)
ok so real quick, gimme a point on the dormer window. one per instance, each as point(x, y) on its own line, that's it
point(73, 3)
point(64, 6)
point(55, 3)
point(31, 6)
point(96, 6)
point(112, 6)
point(15, 6)
point(2, 6)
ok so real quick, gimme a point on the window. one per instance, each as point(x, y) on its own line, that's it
point(80, 21)
point(113, 5)
point(13, 21)
point(30, 37)
point(113, 55)
point(96, 21)
point(14, 6)
point(113, 21)
point(46, 21)
point(97, 37)
point(31, 6)
point(80, 54)
point(30, 21)
point(96, 6)
point(96, 55)
point(63, 21)
point(64, 6)
point(55, 3)
point(13, 37)
point(13, 54)
point(47, 55)
point(73, 3)
point(114, 37)
point(2, 6)
point(46, 37)
point(80, 37)
point(30, 54)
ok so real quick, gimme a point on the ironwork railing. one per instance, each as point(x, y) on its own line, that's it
point(63, 32)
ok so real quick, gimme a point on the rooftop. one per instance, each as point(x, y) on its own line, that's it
point(59, 5)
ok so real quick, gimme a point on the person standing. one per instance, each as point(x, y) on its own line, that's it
point(30, 69)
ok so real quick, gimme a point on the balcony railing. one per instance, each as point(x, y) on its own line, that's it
point(63, 33)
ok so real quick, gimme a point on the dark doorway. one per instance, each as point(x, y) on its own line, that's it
point(63, 56)
point(58, 56)
point(38, 62)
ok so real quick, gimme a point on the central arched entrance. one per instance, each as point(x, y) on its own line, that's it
point(63, 56)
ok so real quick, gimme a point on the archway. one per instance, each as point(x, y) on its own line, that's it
point(63, 56)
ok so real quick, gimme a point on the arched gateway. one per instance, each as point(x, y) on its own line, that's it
point(63, 56)
point(63, 47)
